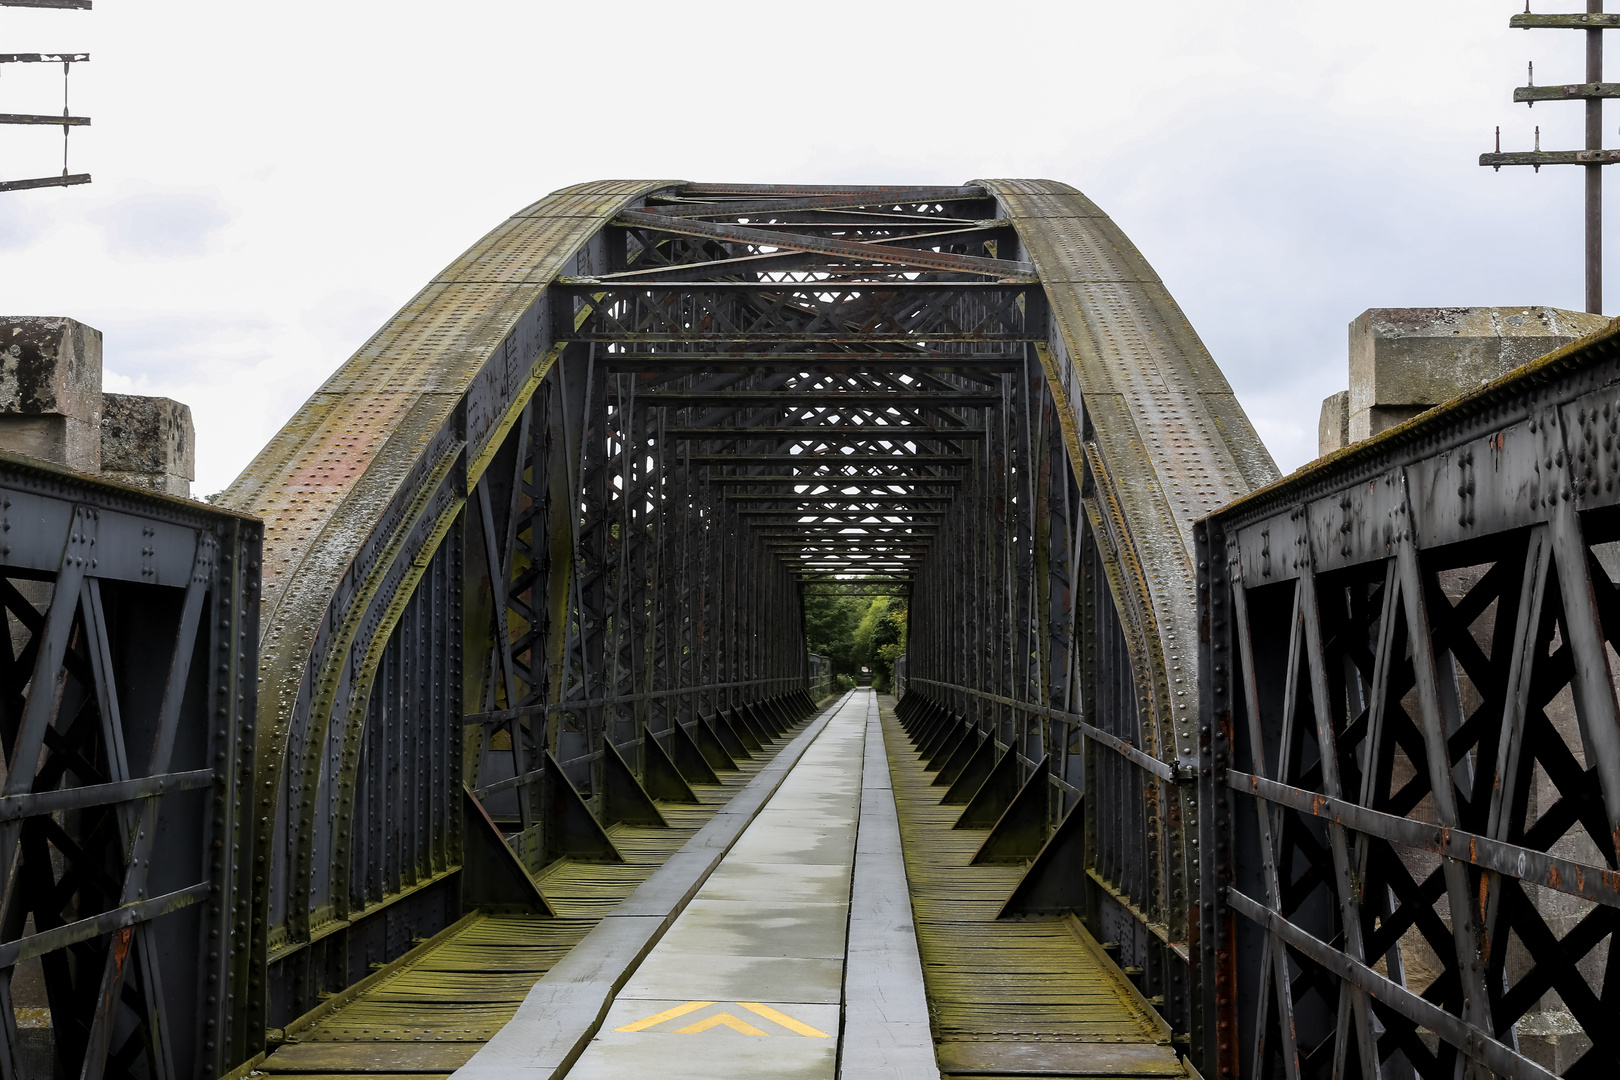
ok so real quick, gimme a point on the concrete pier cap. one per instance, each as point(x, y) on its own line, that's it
point(50, 390)
point(52, 407)
point(1403, 361)
point(148, 442)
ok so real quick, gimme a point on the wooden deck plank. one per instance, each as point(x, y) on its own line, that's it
point(1009, 991)
point(430, 1016)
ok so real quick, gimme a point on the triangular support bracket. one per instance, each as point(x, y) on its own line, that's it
point(688, 757)
point(1055, 881)
point(493, 878)
point(991, 798)
point(972, 775)
point(571, 829)
point(623, 797)
point(1020, 832)
point(663, 779)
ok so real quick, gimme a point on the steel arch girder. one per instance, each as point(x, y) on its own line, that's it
point(339, 486)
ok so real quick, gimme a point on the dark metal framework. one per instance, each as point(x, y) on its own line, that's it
point(1411, 778)
point(1049, 678)
point(126, 715)
point(742, 426)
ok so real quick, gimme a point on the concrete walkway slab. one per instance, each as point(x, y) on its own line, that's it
point(695, 975)
point(767, 968)
point(821, 883)
point(759, 975)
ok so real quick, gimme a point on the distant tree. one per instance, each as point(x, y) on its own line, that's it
point(881, 636)
point(889, 637)
point(830, 623)
point(856, 632)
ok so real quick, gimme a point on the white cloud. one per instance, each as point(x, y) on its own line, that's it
point(146, 226)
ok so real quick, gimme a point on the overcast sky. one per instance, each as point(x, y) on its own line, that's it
point(272, 182)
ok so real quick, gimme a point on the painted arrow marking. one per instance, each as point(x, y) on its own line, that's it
point(717, 1019)
point(784, 1019)
point(667, 1014)
point(725, 1019)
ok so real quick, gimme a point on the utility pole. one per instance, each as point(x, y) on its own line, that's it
point(68, 121)
point(1594, 172)
point(1592, 22)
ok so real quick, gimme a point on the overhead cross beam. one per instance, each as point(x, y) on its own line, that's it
point(839, 355)
point(748, 207)
point(824, 460)
point(835, 480)
point(818, 398)
point(1003, 269)
point(902, 433)
point(829, 363)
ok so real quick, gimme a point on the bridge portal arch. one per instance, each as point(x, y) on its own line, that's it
point(553, 523)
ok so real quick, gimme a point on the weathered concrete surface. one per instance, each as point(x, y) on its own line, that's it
point(887, 1034)
point(50, 390)
point(1406, 360)
point(148, 442)
point(1333, 429)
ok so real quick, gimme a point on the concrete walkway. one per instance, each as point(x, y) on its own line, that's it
point(755, 976)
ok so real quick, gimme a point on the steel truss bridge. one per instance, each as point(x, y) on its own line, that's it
point(494, 653)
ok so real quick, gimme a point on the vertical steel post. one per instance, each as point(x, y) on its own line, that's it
point(1594, 172)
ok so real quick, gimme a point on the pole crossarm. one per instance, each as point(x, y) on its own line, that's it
point(44, 58)
point(1538, 158)
point(1593, 91)
point(1582, 21)
point(1570, 92)
point(44, 118)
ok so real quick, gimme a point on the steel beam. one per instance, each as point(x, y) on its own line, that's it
point(1001, 269)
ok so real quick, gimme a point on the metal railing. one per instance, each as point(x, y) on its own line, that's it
point(127, 686)
point(821, 676)
point(1411, 769)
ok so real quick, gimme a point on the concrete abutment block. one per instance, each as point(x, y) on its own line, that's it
point(1404, 361)
point(148, 442)
point(50, 390)
point(52, 407)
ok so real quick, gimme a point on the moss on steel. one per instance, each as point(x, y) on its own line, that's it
point(983, 973)
point(1142, 400)
point(339, 469)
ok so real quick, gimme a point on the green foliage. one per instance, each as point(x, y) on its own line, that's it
point(829, 629)
point(881, 636)
point(846, 682)
point(856, 632)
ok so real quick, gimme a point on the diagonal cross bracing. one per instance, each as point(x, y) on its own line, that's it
point(931, 260)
